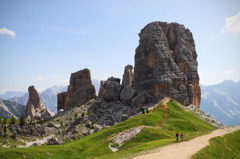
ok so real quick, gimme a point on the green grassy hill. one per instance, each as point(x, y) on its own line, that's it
point(224, 147)
point(157, 131)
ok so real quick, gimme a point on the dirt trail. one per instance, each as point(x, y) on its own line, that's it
point(165, 111)
point(184, 150)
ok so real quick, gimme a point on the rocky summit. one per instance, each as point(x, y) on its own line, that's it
point(35, 110)
point(79, 91)
point(166, 63)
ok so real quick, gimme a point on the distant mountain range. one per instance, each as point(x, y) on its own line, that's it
point(48, 96)
point(10, 108)
point(10, 94)
point(222, 102)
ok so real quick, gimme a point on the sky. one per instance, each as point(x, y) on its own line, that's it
point(43, 42)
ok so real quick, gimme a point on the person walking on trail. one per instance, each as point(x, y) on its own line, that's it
point(181, 137)
point(177, 135)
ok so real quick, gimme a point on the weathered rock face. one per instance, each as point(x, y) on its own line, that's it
point(128, 75)
point(166, 63)
point(79, 91)
point(32, 130)
point(35, 108)
point(62, 99)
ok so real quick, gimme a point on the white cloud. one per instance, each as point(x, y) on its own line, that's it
point(7, 32)
point(66, 81)
point(232, 25)
point(229, 72)
point(56, 76)
point(200, 73)
point(40, 79)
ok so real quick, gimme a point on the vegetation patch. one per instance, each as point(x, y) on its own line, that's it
point(224, 147)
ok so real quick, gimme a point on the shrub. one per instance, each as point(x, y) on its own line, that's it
point(70, 119)
point(143, 111)
point(76, 115)
point(5, 129)
point(62, 124)
point(92, 127)
point(82, 114)
point(22, 120)
point(0, 120)
point(147, 111)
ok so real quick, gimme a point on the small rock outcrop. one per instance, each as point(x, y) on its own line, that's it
point(35, 110)
point(111, 89)
point(166, 63)
point(79, 91)
point(54, 141)
point(128, 75)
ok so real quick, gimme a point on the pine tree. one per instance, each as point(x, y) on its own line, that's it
point(22, 120)
point(5, 121)
point(13, 120)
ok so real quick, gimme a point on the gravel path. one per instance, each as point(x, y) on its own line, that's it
point(184, 150)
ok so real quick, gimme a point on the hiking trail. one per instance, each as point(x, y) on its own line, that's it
point(184, 150)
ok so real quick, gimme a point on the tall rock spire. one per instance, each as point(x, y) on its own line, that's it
point(166, 63)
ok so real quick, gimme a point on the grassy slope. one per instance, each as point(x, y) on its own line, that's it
point(96, 145)
point(225, 147)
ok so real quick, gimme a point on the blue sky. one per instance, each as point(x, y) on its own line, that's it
point(43, 42)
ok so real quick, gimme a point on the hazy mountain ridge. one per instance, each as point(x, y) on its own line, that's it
point(222, 101)
point(10, 94)
point(9, 108)
point(48, 97)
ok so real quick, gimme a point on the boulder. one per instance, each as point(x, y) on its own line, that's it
point(127, 94)
point(111, 90)
point(166, 63)
point(54, 141)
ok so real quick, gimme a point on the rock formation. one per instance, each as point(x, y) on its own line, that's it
point(111, 89)
point(166, 63)
point(128, 75)
point(35, 110)
point(79, 91)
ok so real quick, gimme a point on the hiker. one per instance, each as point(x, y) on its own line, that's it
point(181, 137)
point(177, 136)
